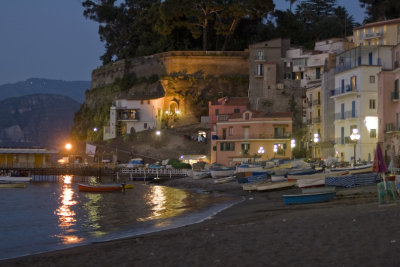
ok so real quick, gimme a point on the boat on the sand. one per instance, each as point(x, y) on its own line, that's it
point(19, 179)
point(275, 186)
point(308, 198)
point(12, 185)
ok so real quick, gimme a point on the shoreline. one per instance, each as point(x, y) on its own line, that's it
point(350, 230)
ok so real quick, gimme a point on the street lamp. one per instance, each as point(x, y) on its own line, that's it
point(261, 151)
point(316, 140)
point(275, 150)
point(355, 136)
point(292, 145)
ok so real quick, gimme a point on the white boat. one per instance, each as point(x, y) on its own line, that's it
point(249, 168)
point(222, 172)
point(317, 175)
point(355, 170)
point(20, 179)
point(224, 180)
point(253, 186)
point(278, 178)
point(201, 174)
point(311, 182)
point(274, 186)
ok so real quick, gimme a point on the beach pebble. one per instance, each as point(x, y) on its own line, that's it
point(283, 220)
point(392, 241)
point(354, 220)
point(250, 198)
point(212, 235)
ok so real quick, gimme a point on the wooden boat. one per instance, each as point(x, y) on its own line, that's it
point(253, 186)
point(311, 182)
point(224, 180)
point(312, 190)
point(308, 198)
point(99, 187)
point(355, 170)
point(222, 172)
point(274, 186)
point(19, 179)
point(12, 185)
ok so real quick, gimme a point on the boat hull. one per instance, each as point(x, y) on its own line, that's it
point(99, 188)
point(222, 173)
point(15, 179)
point(12, 185)
point(275, 186)
point(308, 198)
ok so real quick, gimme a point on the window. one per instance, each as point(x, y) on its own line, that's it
point(245, 148)
point(217, 112)
point(141, 102)
point(260, 54)
point(342, 111)
point(353, 85)
point(318, 73)
point(227, 146)
point(230, 131)
point(372, 79)
point(247, 116)
point(236, 110)
point(353, 109)
point(372, 133)
point(145, 125)
point(260, 69)
point(342, 135)
point(372, 104)
point(352, 127)
point(223, 133)
point(370, 58)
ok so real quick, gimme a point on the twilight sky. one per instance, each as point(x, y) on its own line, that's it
point(51, 39)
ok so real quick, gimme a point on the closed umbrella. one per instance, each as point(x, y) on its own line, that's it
point(379, 166)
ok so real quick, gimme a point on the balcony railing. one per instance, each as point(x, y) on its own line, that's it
point(346, 115)
point(259, 136)
point(344, 141)
point(316, 120)
point(223, 117)
point(345, 90)
point(316, 102)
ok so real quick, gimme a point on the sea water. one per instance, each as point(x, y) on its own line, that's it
point(48, 216)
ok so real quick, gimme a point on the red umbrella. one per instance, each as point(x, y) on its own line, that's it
point(379, 162)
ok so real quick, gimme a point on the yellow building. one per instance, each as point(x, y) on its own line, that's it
point(385, 32)
point(314, 115)
point(25, 157)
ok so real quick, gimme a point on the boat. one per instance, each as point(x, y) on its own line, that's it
point(12, 185)
point(201, 174)
point(353, 180)
point(220, 172)
point(278, 178)
point(128, 186)
point(274, 186)
point(249, 168)
point(19, 179)
point(323, 189)
point(99, 187)
point(310, 182)
point(294, 175)
point(308, 198)
point(253, 186)
point(224, 180)
point(251, 179)
point(355, 170)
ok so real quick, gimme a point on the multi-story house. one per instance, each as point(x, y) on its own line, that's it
point(389, 110)
point(356, 100)
point(252, 136)
point(378, 33)
point(220, 109)
point(314, 118)
point(135, 115)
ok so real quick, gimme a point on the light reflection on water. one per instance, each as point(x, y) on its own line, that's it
point(60, 215)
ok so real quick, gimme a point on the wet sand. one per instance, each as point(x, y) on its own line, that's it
point(352, 230)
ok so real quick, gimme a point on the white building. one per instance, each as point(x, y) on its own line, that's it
point(129, 116)
point(356, 100)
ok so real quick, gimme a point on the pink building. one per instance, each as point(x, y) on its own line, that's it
point(252, 136)
point(389, 110)
point(218, 110)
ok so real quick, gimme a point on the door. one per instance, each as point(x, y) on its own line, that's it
point(246, 133)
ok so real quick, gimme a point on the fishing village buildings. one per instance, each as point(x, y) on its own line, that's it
point(344, 88)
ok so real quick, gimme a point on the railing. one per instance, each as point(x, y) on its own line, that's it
point(259, 58)
point(346, 140)
point(316, 120)
point(346, 115)
point(345, 90)
point(316, 102)
point(152, 172)
point(223, 117)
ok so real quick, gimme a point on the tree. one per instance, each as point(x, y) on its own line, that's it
point(378, 10)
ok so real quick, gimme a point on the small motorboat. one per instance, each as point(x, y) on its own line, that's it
point(15, 179)
point(100, 187)
point(12, 185)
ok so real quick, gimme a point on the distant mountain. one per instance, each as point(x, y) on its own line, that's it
point(74, 89)
point(36, 120)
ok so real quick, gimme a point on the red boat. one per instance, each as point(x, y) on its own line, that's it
point(100, 187)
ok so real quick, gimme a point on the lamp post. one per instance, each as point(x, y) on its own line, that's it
point(355, 136)
point(275, 150)
point(261, 151)
point(293, 145)
point(316, 140)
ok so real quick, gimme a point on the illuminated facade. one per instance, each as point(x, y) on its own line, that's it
point(25, 157)
point(356, 99)
point(314, 119)
point(252, 136)
point(378, 33)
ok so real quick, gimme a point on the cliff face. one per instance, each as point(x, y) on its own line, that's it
point(36, 120)
point(189, 78)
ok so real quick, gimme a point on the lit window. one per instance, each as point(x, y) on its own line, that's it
point(372, 104)
point(372, 133)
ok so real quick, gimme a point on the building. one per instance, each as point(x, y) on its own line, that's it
point(355, 97)
point(221, 108)
point(252, 136)
point(389, 110)
point(26, 157)
point(314, 118)
point(385, 32)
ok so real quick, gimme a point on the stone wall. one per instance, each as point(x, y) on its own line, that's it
point(214, 63)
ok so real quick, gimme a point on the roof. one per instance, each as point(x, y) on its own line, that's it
point(27, 151)
point(231, 101)
point(379, 23)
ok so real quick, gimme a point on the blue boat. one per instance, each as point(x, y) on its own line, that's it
point(252, 179)
point(308, 198)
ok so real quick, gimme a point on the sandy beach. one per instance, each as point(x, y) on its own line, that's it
point(352, 230)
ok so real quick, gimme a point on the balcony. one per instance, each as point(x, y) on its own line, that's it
point(316, 102)
point(346, 140)
point(372, 35)
point(316, 120)
point(346, 115)
point(259, 58)
point(394, 96)
point(346, 90)
point(223, 117)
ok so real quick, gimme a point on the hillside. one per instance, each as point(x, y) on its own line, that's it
point(73, 89)
point(36, 120)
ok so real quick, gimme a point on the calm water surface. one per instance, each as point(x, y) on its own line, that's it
point(49, 216)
